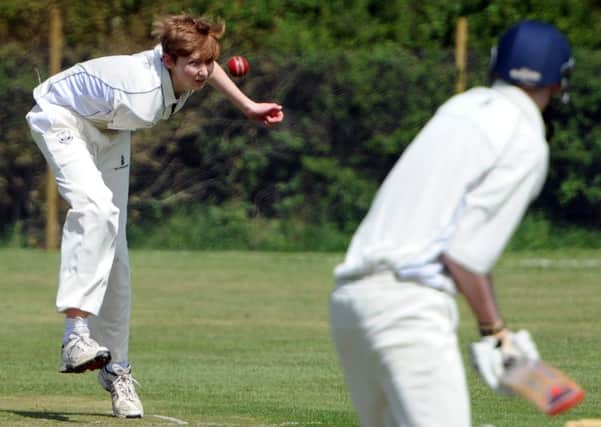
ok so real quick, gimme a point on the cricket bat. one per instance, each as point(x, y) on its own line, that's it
point(549, 389)
point(588, 422)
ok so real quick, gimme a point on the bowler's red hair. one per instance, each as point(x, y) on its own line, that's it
point(182, 35)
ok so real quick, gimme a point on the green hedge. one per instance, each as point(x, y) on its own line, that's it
point(357, 83)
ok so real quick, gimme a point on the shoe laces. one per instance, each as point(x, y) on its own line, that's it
point(124, 387)
point(83, 341)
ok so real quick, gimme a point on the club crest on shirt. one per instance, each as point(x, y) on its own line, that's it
point(64, 136)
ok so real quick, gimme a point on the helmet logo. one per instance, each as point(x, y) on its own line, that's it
point(525, 75)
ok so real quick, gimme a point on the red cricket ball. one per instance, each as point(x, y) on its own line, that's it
point(238, 66)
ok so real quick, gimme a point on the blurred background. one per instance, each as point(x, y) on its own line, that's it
point(357, 80)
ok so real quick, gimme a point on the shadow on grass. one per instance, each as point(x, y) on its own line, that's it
point(55, 416)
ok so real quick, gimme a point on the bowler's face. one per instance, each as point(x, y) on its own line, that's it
point(188, 72)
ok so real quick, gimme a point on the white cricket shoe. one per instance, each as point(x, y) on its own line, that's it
point(121, 385)
point(82, 353)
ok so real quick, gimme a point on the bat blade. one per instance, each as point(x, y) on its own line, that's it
point(548, 388)
point(588, 422)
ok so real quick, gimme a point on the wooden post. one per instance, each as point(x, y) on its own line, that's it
point(461, 53)
point(55, 43)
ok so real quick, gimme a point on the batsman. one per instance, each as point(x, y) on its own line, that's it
point(437, 226)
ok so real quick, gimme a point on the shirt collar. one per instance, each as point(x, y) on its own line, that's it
point(521, 99)
point(168, 93)
point(166, 83)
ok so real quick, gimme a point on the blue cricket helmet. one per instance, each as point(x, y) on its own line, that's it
point(533, 54)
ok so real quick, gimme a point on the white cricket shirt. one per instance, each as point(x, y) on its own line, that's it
point(121, 92)
point(461, 188)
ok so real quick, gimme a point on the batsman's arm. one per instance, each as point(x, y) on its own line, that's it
point(499, 350)
point(267, 112)
point(479, 294)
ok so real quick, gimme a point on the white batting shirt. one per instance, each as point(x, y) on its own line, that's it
point(121, 92)
point(461, 188)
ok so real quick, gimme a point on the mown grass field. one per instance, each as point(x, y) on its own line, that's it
point(241, 339)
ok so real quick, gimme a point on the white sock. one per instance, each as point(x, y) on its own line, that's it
point(75, 325)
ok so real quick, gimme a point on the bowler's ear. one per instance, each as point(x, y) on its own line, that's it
point(168, 60)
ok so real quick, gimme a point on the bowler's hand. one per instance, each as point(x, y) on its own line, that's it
point(267, 112)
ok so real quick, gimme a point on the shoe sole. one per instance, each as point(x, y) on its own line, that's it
point(98, 362)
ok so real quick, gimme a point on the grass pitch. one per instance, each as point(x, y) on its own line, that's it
point(242, 339)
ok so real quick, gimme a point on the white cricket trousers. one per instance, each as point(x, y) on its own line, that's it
point(397, 346)
point(91, 168)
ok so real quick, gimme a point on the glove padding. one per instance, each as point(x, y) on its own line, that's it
point(493, 354)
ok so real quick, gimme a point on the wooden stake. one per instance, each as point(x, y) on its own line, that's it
point(461, 53)
point(56, 49)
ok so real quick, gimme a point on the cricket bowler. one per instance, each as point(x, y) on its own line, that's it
point(437, 225)
point(82, 124)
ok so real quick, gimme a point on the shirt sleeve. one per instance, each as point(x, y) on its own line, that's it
point(83, 93)
point(494, 207)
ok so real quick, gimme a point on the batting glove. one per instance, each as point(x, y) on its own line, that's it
point(493, 355)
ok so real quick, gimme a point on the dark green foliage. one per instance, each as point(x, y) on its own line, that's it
point(232, 226)
point(358, 79)
point(21, 165)
point(538, 233)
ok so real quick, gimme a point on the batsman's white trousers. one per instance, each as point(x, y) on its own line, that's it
point(397, 346)
point(91, 167)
